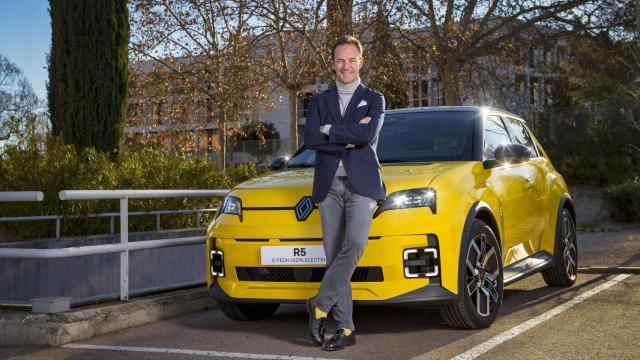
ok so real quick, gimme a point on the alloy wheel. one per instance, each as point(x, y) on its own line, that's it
point(482, 275)
point(569, 251)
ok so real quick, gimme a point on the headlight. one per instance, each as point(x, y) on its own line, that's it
point(411, 198)
point(230, 205)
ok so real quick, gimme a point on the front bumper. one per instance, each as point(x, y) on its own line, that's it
point(380, 277)
point(432, 294)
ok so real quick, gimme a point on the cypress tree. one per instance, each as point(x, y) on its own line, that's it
point(88, 72)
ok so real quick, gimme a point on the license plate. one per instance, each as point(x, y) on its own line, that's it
point(293, 255)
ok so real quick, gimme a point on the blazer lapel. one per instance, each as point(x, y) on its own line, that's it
point(334, 105)
point(353, 103)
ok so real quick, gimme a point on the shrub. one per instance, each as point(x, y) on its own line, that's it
point(53, 166)
point(624, 200)
point(592, 148)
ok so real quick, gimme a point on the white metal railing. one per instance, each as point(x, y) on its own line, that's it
point(124, 247)
point(111, 215)
point(7, 196)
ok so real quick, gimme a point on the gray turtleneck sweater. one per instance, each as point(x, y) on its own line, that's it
point(345, 92)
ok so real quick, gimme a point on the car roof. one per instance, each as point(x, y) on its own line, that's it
point(453, 108)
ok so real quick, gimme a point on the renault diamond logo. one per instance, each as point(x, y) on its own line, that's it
point(304, 207)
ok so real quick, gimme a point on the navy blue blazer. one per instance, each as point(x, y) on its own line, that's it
point(360, 162)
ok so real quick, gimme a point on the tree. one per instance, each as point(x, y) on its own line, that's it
point(597, 103)
point(197, 61)
point(456, 36)
point(606, 68)
point(88, 70)
point(17, 99)
point(384, 70)
point(257, 131)
point(291, 61)
point(339, 20)
point(21, 111)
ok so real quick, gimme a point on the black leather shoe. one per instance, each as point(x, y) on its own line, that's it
point(340, 340)
point(316, 326)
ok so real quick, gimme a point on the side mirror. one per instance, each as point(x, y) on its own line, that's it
point(278, 163)
point(508, 154)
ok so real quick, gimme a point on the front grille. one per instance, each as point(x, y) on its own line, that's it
point(311, 274)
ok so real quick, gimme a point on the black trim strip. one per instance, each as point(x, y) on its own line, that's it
point(321, 239)
point(272, 208)
point(301, 239)
point(428, 295)
point(303, 274)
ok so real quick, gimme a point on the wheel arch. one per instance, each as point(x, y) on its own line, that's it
point(566, 202)
point(482, 211)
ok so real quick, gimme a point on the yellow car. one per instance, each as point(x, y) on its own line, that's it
point(473, 204)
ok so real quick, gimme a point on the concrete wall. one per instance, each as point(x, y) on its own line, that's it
point(98, 275)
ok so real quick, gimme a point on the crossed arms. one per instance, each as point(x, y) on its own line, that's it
point(341, 137)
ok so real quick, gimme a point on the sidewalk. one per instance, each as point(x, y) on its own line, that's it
point(21, 328)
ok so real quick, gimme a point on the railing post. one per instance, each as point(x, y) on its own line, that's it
point(157, 222)
point(112, 225)
point(197, 218)
point(58, 227)
point(124, 255)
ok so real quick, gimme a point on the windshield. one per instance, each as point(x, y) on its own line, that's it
point(416, 137)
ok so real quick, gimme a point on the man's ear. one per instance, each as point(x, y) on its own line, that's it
point(361, 63)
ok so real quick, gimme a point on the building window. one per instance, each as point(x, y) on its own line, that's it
point(419, 93)
point(531, 57)
point(438, 92)
point(548, 93)
point(561, 53)
point(304, 100)
point(534, 92)
point(520, 85)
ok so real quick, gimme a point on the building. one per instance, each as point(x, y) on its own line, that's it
point(523, 86)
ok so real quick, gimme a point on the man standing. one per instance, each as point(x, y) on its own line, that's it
point(343, 126)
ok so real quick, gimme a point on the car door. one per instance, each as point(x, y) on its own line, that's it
point(536, 184)
point(510, 183)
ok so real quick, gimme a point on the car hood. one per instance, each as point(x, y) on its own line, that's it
point(286, 188)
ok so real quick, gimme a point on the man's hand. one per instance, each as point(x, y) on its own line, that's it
point(364, 120)
point(325, 129)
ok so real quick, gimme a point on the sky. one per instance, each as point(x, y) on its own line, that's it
point(25, 39)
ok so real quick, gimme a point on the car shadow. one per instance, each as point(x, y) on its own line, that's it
point(289, 323)
point(516, 299)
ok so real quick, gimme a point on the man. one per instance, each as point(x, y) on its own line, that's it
point(343, 126)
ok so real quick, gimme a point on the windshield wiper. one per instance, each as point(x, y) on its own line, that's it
point(300, 166)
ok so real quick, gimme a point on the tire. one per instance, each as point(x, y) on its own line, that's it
point(481, 281)
point(565, 264)
point(247, 312)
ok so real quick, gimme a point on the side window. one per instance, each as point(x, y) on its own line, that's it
point(495, 135)
point(520, 134)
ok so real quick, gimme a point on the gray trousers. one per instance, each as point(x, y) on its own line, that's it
point(346, 220)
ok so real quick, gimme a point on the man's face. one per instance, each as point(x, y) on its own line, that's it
point(347, 63)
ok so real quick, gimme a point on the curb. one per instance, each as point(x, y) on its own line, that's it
point(20, 328)
point(610, 270)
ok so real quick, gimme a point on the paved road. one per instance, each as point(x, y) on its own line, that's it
point(597, 318)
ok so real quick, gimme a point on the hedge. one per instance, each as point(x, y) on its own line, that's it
point(624, 200)
point(52, 166)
